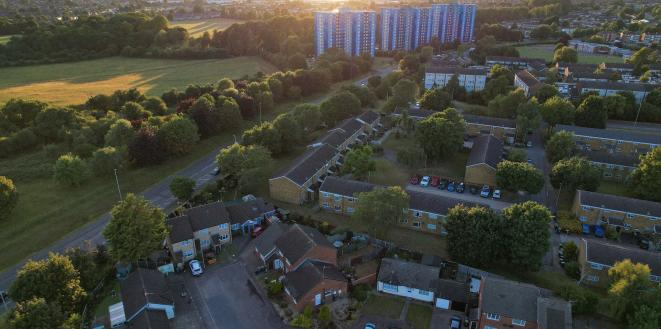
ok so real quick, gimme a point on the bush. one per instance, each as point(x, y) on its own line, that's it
point(612, 234)
point(274, 288)
point(106, 159)
point(8, 196)
point(570, 251)
point(572, 270)
point(70, 170)
point(584, 301)
point(361, 292)
point(569, 222)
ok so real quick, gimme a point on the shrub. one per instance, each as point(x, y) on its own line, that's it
point(70, 170)
point(360, 292)
point(569, 222)
point(583, 300)
point(106, 159)
point(8, 196)
point(572, 270)
point(570, 251)
point(274, 288)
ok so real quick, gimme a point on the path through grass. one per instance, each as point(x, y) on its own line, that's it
point(197, 27)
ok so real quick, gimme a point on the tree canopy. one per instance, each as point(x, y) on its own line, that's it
point(359, 162)
point(519, 176)
point(646, 178)
point(435, 99)
point(575, 173)
point(592, 113)
point(339, 107)
point(182, 188)
point(381, 209)
point(557, 110)
point(560, 146)
point(70, 170)
point(442, 134)
point(8, 196)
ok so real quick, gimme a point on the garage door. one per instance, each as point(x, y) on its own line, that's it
point(442, 303)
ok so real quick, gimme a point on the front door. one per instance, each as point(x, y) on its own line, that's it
point(317, 299)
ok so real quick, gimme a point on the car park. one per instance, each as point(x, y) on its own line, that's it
point(415, 180)
point(485, 191)
point(435, 180)
point(195, 267)
point(472, 189)
point(451, 187)
point(257, 231)
point(496, 194)
point(444, 184)
point(424, 181)
point(461, 187)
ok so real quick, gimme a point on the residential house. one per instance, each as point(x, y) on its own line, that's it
point(617, 211)
point(628, 143)
point(314, 283)
point(517, 63)
point(596, 258)
point(427, 211)
point(483, 159)
point(210, 225)
point(181, 240)
point(246, 214)
point(472, 79)
point(340, 195)
point(503, 129)
point(265, 247)
point(301, 243)
point(509, 304)
point(614, 166)
point(415, 113)
point(371, 120)
point(639, 90)
point(146, 301)
point(529, 83)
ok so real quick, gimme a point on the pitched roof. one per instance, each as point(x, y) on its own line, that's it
point(305, 166)
point(434, 203)
point(456, 70)
point(489, 121)
point(508, 298)
point(180, 229)
point(208, 215)
point(345, 187)
point(610, 158)
point(417, 113)
point(298, 240)
point(612, 134)
point(334, 138)
point(608, 85)
point(452, 290)
point(527, 78)
point(514, 59)
point(150, 319)
point(246, 210)
point(609, 254)
point(310, 274)
point(620, 203)
point(350, 126)
point(141, 287)
point(413, 275)
point(265, 242)
point(553, 313)
point(369, 116)
point(486, 149)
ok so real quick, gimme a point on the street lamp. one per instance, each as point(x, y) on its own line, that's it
point(119, 191)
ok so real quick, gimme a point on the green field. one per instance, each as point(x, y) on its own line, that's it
point(4, 39)
point(73, 83)
point(198, 27)
point(546, 52)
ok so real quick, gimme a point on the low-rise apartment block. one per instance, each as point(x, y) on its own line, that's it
point(596, 258)
point(627, 213)
point(611, 141)
point(615, 167)
point(341, 195)
point(639, 90)
point(484, 157)
point(427, 211)
point(525, 80)
point(472, 79)
point(517, 63)
point(501, 128)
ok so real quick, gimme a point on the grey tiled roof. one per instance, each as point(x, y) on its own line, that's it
point(452, 290)
point(309, 275)
point(610, 158)
point(180, 229)
point(369, 116)
point(247, 210)
point(456, 70)
point(489, 121)
point(486, 149)
point(414, 113)
point(511, 299)
point(614, 85)
point(345, 187)
point(620, 203)
point(208, 215)
point(413, 275)
point(265, 242)
point(144, 286)
point(150, 319)
point(527, 78)
point(609, 254)
point(334, 138)
point(298, 240)
point(612, 134)
point(305, 166)
point(434, 203)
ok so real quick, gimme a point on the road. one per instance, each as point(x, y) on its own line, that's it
point(158, 195)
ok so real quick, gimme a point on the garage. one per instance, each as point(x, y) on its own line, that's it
point(443, 304)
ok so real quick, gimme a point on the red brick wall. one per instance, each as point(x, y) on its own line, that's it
point(326, 285)
point(504, 322)
point(324, 254)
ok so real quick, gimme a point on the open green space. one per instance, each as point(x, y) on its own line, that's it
point(198, 27)
point(419, 316)
point(389, 173)
point(453, 167)
point(74, 83)
point(546, 52)
point(4, 39)
point(385, 306)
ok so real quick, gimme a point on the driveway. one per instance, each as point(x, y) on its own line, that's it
point(379, 322)
point(440, 319)
point(495, 204)
point(227, 299)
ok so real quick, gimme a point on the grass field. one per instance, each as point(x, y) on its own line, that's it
point(198, 27)
point(4, 39)
point(386, 306)
point(73, 83)
point(546, 52)
point(419, 316)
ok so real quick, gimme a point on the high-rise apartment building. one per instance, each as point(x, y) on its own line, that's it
point(351, 30)
point(409, 28)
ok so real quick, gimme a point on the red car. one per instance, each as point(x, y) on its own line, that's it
point(415, 180)
point(257, 231)
point(435, 180)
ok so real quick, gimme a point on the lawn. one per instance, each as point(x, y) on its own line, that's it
point(389, 173)
point(419, 316)
point(102, 308)
point(385, 306)
point(74, 83)
point(197, 27)
point(546, 52)
point(453, 167)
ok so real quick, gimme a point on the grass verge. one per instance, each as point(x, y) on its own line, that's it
point(419, 316)
point(385, 306)
point(546, 52)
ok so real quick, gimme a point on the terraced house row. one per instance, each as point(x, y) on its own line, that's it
point(426, 211)
point(298, 183)
point(617, 211)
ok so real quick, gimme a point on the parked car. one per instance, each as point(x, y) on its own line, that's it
point(370, 326)
point(529, 144)
point(195, 267)
point(461, 187)
point(451, 187)
point(455, 322)
point(257, 231)
point(444, 184)
point(485, 191)
point(215, 171)
point(496, 194)
point(424, 181)
point(415, 180)
point(472, 189)
point(435, 180)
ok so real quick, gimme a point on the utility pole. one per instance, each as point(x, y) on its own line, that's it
point(4, 302)
point(119, 191)
point(635, 123)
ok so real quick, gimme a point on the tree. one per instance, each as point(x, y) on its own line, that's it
point(435, 99)
point(453, 87)
point(496, 86)
point(499, 70)
point(643, 317)
point(643, 57)
point(120, 134)
point(146, 148)
point(404, 92)
point(374, 81)
point(575, 173)
point(339, 107)
point(308, 116)
point(225, 83)
point(442, 134)
point(367, 97)
point(359, 163)
point(229, 115)
point(236, 158)
point(615, 105)
point(469, 227)
point(517, 176)
point(134, 111)
point(646, 178)
point(291, 133)
point(541, 32)
point(410, 64)
point(266, 135)
point(36, 313)
point(381, 209)
point(136, 228)
point(178, 136)
point(517, 155)
point(505, 106)
point(528, 117)
point(557, 110)
point(155, 105)
point(182, 188)
point(628, 281)
point(324, 315)
point(50, 122)
point(70, 170)
point(528, 226)
point(54, 279)
point(8, 196)
point(591, 113)
point(560, 146)
point(206, 116)
point(21, 113)
point(546, 92)
point(565, 54)
point(105, 159)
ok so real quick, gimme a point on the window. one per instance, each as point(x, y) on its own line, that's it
point(338, 208)
point(417, 214)
point(325, 205)
point(416, 224)
point(585, 208)
point(188, 253)
point(592, 278)
point(433, 216)
point(223, 226)
point(235, 226)
point(389, 287)
point(350, 199)
point(518, 322)
point(431, 227)
point(596, 266)
point(405, 220)
point(350, 210)
point(224, 237)
point(338, 198)
point(423, 292)
point(631, 215)
point(489, 327)
point(583, 219)
point(493, 316)
point(326, 195)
